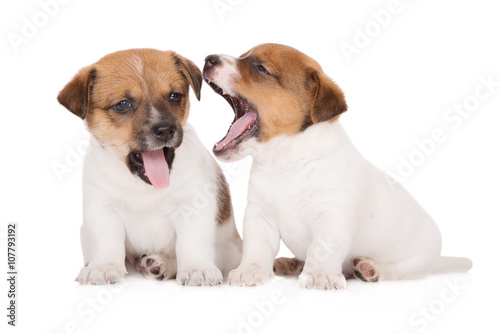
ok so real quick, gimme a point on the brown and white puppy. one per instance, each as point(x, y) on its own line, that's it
point(309, 185)
point(151, 192)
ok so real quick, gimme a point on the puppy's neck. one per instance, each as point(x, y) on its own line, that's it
point(318, 141)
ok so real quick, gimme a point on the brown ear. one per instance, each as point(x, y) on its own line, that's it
point(191, 72)
point(75, 96)
point(328, 101)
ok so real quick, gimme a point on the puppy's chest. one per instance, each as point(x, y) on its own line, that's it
point(283, 190)
point(294, 199)
point(148, 230)
point(287, 199)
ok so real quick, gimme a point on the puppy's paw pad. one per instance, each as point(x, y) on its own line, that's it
point(101, 274)
point(249, 276)
point(322, 281)
point(366, 270)
point(284, 266)
point(197, 277)
point(135, 261)
point(156, 267)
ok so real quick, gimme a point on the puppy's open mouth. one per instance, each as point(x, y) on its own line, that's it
point(245, 123)
point(152, 167)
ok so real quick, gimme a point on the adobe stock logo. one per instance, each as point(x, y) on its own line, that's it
point(32, 25)
point(363, 36)
point(224, 6)
point(452, 119)
point(74, 156)
point(426, 315)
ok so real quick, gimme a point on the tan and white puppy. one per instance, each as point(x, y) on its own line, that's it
point(309, 185)
point(151, 192)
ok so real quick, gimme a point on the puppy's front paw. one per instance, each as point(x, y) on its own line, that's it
point(210, 276)
point(107, 273)
point(322, 281)
point(159, 267)
point(249, 276)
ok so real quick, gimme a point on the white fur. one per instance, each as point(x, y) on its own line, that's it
point(123, 216)
point(315, 191)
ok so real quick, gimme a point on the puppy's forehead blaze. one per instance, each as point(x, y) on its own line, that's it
point(146, 76)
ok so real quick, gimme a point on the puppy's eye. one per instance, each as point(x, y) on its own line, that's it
point(175, 97)
point(122, 106)
point(262, 69)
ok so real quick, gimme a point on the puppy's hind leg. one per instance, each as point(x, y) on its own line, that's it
point(158, 266)
point(366, 270)
point(135, 261)
point(284, 266)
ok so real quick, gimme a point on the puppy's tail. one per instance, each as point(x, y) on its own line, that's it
point(448, 264)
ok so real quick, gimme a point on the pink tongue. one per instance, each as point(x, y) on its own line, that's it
point(238, 127)
point(156, 168)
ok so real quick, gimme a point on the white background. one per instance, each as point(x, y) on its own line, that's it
point(428, 58)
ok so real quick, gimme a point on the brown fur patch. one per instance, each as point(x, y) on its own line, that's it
point(75, 96)
point(225, 208)
point(295, 94)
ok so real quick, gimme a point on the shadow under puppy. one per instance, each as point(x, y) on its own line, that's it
point(309, 185)
point(151, 192)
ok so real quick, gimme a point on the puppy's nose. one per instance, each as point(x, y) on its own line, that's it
point(164, 132)
point(212, 60)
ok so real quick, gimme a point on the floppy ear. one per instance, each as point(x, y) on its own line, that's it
point(75, 96)
point(328, 98)
point(191, 72)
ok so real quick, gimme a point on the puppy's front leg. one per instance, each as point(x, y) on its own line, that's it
point(103, 245)
point(330, 246)
point(261, 242)
point(195, 250)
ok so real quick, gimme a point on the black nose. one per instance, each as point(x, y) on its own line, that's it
point(164, 131)
point(212, 60)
